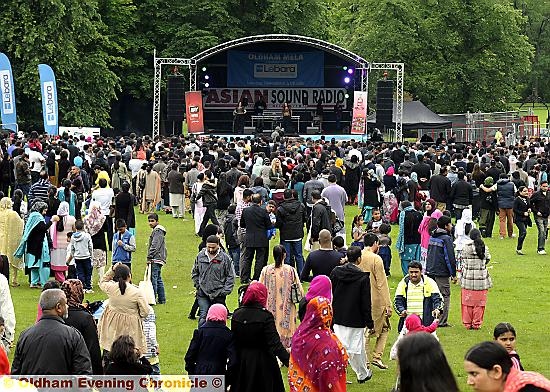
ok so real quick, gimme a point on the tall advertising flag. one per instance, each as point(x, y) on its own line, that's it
point(193, 102)
point(7, 110)
point(359, 121)
point(49, 99)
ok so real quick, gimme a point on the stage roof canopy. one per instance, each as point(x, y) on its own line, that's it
point(416, 116)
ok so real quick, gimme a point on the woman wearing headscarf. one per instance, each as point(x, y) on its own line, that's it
point(369, 197)
point(65, 194)
point(94, 225)
point(11, 228)
point(258, 344)
point(353, 174)
point(408, 239)
point(318, 360)
point(212, 349)
point(119, 172)
point(426, 228)
point(124, 207)
point(415, 196)
point(320, 286)
point(389, 179)
point(82, 320)
point(53, 203)
point(257, 168)
point(58, 234)
point(34, 245)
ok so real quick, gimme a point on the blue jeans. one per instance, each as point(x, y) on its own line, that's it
point(84, 272)
point(25, 188)
point(204, 304)
point(542, 227)
point(294, 248)
point(158, 284)
point(235, 254)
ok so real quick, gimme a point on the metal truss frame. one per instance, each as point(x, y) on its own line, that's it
point(400, 68)
point(361, 65)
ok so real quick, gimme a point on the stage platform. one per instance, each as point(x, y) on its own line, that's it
point(328, 136)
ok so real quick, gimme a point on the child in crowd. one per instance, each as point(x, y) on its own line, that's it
point(150, 331)
point(338, 244)
point(357, 231)
point(384, 246)
point(413, 324)
point(271, 208)
point(71, 272)
point(124, 244)
point(505, 335)
point(81, 250)
point(374, 224)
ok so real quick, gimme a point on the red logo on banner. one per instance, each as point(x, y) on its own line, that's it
point(195, 120)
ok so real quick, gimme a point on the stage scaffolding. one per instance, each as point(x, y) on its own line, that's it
point(360, 64)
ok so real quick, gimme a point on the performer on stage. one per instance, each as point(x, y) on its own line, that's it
point(259, 107)
point(287, 118)
point(238, 119)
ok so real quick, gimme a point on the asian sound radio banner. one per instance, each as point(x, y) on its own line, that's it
point(195, 120)
point(50, 110)
point(359, 121)
point(7, 108)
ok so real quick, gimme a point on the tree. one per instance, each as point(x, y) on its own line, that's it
point(459, 55)
point(67, 35)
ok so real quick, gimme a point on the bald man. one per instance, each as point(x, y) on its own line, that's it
point(321, 261)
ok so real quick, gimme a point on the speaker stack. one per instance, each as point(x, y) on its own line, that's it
point(175, 110)
point(384, 104)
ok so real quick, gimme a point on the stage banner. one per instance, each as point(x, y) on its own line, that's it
point(359, 121)
point(195, 121)
point(8, 114)
point(299, 98)
point(268, 69)
point(48, 88)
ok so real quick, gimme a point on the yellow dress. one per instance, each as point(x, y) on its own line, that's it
point(11, 229)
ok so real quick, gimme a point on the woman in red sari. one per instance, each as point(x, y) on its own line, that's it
point(318, 360)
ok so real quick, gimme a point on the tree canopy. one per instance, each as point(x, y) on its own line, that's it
point(459, 54)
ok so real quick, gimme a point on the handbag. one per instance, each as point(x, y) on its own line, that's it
point(146, 286)
point(295, 293)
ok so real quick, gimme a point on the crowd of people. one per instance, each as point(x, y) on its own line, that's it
point(67, 208)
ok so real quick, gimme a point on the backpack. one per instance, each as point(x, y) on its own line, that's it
point(336, 224)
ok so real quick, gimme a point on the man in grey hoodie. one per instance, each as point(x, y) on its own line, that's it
point(156, 256)
point(81, 249)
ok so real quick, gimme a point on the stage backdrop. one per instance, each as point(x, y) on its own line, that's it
point(273, 69)
point(299, 98)
point(195, 120)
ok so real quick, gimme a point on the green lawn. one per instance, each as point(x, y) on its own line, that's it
point(519, 296)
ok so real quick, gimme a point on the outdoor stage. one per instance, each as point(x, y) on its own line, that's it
point(317, 79)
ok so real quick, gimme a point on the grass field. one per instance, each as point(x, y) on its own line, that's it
point(519, 296)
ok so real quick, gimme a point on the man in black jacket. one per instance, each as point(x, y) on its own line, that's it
point(209, 201)
point(462, 195)
point(50, 347)
point(255, 220)
point(440, 189)
point(540, 204)
point(320, 219)
point(352, 310)
point(291, 216)
point(423, 170)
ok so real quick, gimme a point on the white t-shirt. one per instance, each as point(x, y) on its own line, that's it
point(135, 165)
point(36, 161)
point(104, 196)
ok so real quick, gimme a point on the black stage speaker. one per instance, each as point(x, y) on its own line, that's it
point(175, 91)
point(384, 104)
